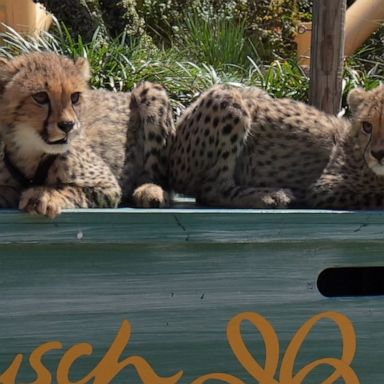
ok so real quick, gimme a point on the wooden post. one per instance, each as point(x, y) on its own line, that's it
point(327, 49)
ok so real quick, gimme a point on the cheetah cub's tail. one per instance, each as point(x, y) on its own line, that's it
point(156, 121)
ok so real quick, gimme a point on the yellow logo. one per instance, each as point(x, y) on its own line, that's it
point(110, 364)
point(266, 374)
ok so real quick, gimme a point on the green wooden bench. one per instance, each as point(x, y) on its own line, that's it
point(179, 276)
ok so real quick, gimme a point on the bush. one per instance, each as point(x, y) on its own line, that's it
point(83, 17)
point(269, 25)
point(121, 17)
point(218, 41)
point(78, 17)
point(119, 64)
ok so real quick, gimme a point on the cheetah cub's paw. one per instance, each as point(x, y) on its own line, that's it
point(278, 199)
point(41, 201)
point(150, 196)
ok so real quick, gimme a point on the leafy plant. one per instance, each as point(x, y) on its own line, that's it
point(216, 41)
point(121, 63)
point(269, 24)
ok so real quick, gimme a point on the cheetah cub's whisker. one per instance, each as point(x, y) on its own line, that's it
point(66, 146)
point(354, 176)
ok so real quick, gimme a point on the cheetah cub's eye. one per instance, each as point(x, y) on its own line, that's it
point(75, 97)
point(367, 127)
point(41, 97)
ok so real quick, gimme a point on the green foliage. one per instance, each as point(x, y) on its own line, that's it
point(358, 74)
point(120, 17)
point(281, 79)
point(269, 24)
point(81, 17)
point(371, 55)
point(216, 41)
point(121, 63)
point(366, 67)
point(305, 9)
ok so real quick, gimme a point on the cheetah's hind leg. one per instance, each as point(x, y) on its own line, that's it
point(225, 192)
point(211, 136)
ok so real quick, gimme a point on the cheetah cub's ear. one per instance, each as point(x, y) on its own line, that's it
point(82, 65)
point(355, 98)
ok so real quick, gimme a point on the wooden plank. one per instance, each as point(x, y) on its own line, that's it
point(327, 48)
point(189, 225)
point(179, 276)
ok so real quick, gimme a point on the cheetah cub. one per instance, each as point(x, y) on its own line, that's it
point(354, 176)
point(65, 146)
point(240, 148)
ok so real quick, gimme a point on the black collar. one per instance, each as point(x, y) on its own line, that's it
point(40, 175)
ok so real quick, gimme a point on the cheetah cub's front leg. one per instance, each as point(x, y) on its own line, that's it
point(77, 179)
point(210, 137)
point(154, 113)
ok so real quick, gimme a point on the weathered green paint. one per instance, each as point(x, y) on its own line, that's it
point(179, 276)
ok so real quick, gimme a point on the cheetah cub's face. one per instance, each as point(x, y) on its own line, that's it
point(368, 120)
point(41, 97)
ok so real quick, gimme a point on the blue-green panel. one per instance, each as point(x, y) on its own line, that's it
point(179, 276)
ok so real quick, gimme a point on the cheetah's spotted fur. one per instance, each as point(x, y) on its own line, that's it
point(354, 176)
point(108, 148)
point(240, 148)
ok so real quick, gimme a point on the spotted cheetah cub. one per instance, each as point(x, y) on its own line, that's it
point(354, 176)
point(240, 148)
point(65, 146)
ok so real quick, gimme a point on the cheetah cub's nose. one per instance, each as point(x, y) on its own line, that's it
point(66, 126)
point(378, 155)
